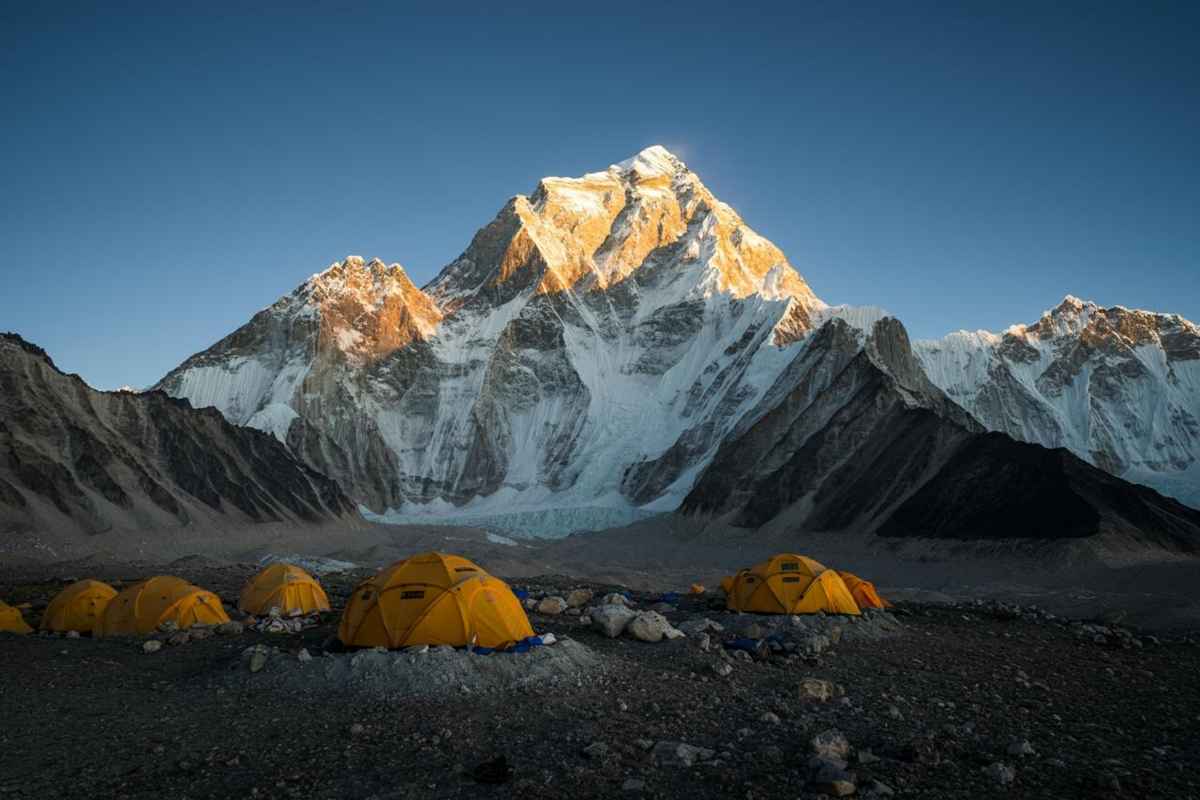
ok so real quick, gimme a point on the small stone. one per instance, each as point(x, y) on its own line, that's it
point(597, 751)
point(831, 744)
point(579, 598)
point(357, 729)
point(151, 646)
point(644, 744)
point(680, 754)
point(814, 644)
point(72, 634)
point(614, 599)
point(704, 642)
point(692, 627)
point(170, 626)
point(529, 603)
point(552, 605)
point(769, 717)
point(230, 629)
point(274, 613)
point(723, 668)
point(864, 756)
point(633, 785)
point(181, 637)
point(258, 657)
point(199, 634)
point(1002, 774)
point(829, 776)
point(894, 712)
point(1020, 747)
point(878, 789)
point(816, 689)
point(304, 656)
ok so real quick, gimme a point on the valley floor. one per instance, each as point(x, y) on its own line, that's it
point(928, 709)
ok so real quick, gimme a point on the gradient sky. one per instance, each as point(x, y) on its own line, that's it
point(167, 173)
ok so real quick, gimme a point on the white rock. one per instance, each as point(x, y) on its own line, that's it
point(648, 626)
point(304, 655)
point(611, 619)
point(151, 646)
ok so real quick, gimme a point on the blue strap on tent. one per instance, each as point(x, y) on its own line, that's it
point(523, 646)
point(521, 594)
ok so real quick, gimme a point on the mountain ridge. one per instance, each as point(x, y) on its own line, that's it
point(589, 353)
point(74, 458)
point(1119, 387)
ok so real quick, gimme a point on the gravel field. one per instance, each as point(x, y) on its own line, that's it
point(971, 699)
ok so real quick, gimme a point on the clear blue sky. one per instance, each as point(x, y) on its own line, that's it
point(166, 174)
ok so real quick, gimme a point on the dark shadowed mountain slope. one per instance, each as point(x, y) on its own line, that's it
point(73, 458)
point(880, 448)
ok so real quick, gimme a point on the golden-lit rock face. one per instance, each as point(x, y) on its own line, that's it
point(370, 310)
point(592, 233)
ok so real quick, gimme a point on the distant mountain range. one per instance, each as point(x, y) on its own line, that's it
point(623, 344)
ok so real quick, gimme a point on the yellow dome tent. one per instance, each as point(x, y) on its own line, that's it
point(142, 607)
point(11, 620)
point(790, 584)
point(433, 599)
point(285, 587)
point(77, 607)
point(863, 591)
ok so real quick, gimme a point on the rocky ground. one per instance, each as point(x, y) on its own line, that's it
point(929, 701)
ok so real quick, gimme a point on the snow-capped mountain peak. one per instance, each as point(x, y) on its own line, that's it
point(655, 160)
point(592, 324)
point(1119, 387)
point(648, 216)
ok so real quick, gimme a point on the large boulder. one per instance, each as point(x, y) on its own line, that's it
point(651, 626)
point(611, 619)
point(579, 598)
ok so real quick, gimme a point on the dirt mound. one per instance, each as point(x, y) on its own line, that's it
point(419, 671)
